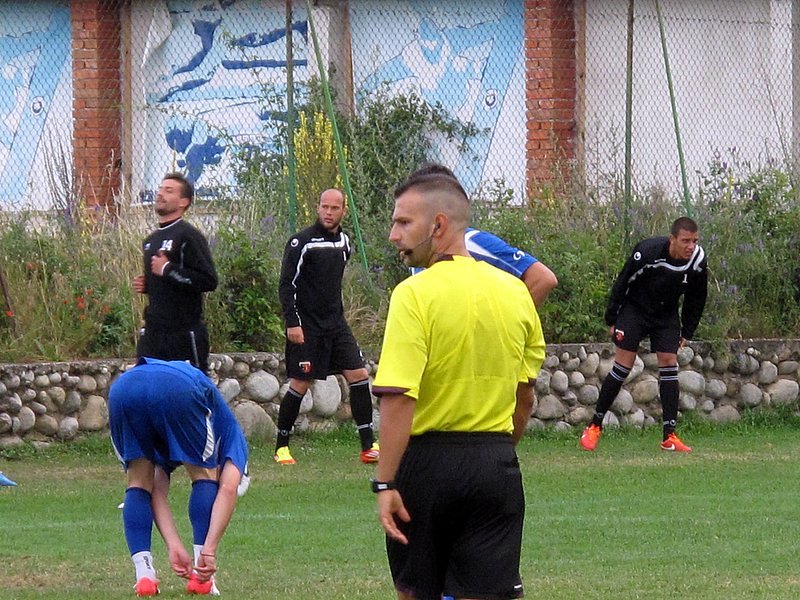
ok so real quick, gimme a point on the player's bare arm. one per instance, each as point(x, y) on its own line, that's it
point(540, 281)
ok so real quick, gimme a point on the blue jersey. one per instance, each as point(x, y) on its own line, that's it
point(171, 413)
point(497, 252)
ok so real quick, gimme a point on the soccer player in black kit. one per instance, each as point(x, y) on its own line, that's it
point(177, 270)
point(644, 302)
point(318, 339)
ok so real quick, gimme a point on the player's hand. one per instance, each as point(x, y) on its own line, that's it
point(138, 284)
point(682, 343)
point(157, 262)
point(390, 508)
point(295, 335)
point(180, 561)
point(206, 566)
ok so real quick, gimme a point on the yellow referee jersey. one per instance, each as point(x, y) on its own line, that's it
point(459, 337)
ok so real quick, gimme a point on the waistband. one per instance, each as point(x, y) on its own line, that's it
point(460, 438)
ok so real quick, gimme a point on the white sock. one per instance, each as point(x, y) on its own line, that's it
point(214, 589)
point(143, 563)
point(197, 549)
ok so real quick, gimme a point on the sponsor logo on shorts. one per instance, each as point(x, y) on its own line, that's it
point(637, 256)
point(295, 242)
point(305, 366)
point(619, 335)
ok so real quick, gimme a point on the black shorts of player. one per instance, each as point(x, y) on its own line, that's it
point(464, 494)
point(184, 344)
point(323, 355)
point(635, 324)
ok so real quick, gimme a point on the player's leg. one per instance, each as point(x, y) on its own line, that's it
point(665, 342)
point(132, 438)
point(287, 415)
point(346, 358)
point(361, 406)
point(137, 519)
point(201, 503)
point(628, 332)
point(304, 363)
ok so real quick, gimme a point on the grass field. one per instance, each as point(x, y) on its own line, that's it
point(624, 522)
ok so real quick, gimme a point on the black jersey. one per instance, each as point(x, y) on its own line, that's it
point(176, 297)
point(654, 282)
point(311, 279)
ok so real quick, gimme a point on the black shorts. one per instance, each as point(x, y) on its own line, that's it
point(664, 332)
point(323, 355)
point(185, 344)
point(464, 494)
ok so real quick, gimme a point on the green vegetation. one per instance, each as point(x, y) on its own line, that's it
point(69, 280)
point(624, 522)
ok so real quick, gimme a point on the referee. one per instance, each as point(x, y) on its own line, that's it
point(644, 302)
point(461, 351)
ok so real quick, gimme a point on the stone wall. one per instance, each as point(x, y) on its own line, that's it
point(46, 402)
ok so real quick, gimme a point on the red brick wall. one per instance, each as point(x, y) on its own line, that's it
point(96, 102)
point(551, 89)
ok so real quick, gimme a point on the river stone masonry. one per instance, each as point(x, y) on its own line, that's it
point(44, 403)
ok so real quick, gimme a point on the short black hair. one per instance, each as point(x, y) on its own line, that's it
point(683, 223)
point(187, 189)
point(429, 177)
point(432, 168)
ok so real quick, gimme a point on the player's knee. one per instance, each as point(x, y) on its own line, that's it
point(356, 375)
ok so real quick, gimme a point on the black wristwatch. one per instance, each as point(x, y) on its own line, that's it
point(382, 486)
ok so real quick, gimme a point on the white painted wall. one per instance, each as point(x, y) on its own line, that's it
point(731, 70)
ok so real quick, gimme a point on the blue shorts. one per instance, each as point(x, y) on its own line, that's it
point(163, 412)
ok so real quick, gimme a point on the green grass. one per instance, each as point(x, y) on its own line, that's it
point(624, 522)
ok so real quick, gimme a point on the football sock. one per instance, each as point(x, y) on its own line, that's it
point(137, 519)
point(287, 415)
point(608, 391)
point(669, 390)
point(361, 406)
point(201, 501)
point(143, 563)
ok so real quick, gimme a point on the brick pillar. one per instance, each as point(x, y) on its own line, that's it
point(96, 101)
point(551, 89)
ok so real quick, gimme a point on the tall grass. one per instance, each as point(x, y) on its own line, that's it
point(69, 281)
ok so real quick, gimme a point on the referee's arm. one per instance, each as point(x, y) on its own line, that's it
point(397, 413)
point(526, 398)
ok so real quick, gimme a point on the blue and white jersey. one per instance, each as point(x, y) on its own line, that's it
point(172, 413)
point(489, 248)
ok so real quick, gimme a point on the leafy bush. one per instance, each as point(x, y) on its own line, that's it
point(244, 312)
point(66, 290)
point(72, 297)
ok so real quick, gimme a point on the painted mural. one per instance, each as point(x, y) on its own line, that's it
point(213, 78)
point(35, 96)
point(466, 55)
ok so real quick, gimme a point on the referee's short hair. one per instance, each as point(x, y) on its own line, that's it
point(187, 189)
point(432, 177)
point(683, 223)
